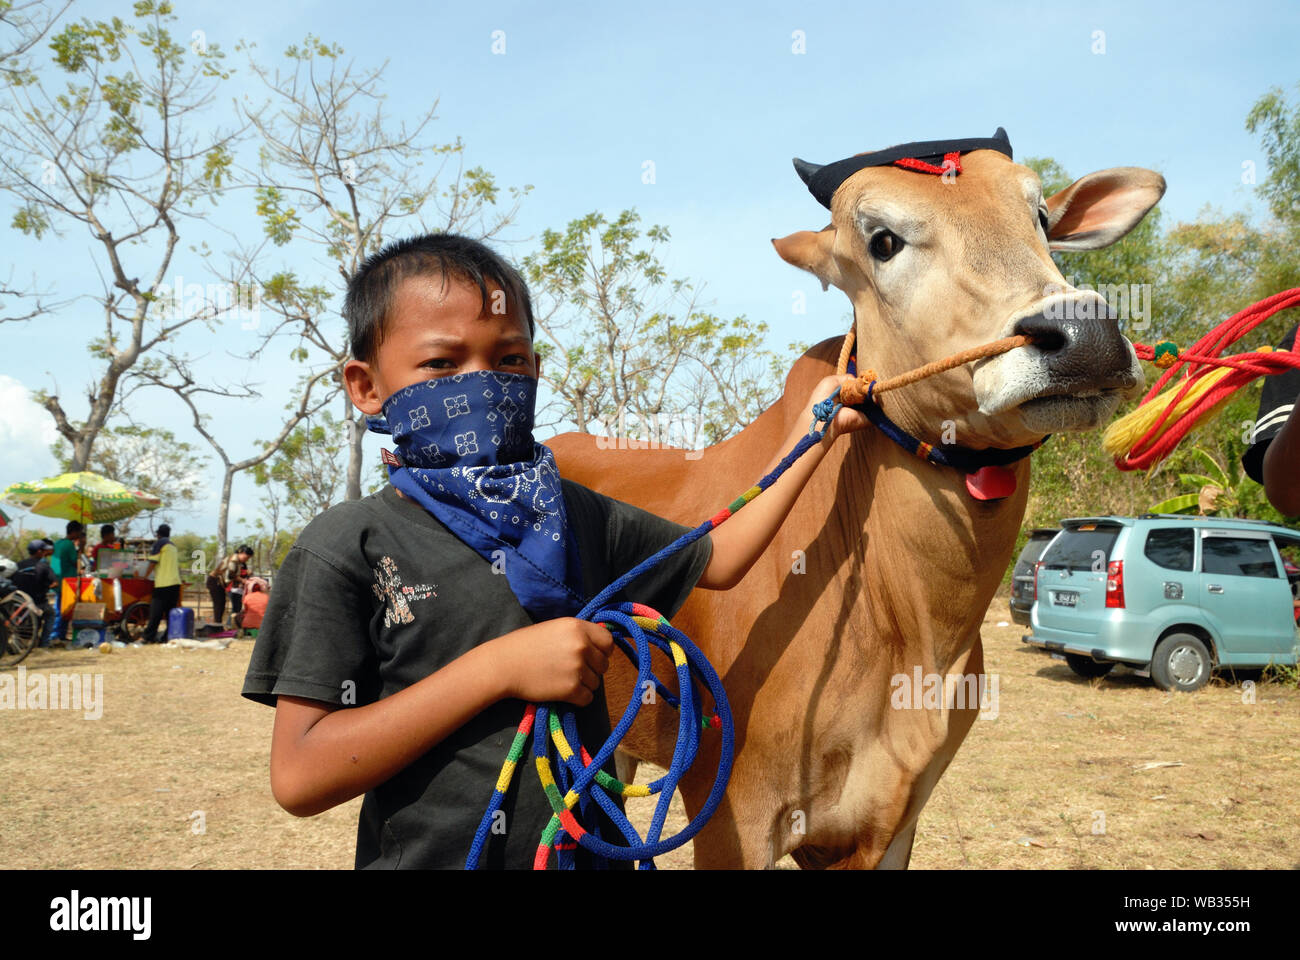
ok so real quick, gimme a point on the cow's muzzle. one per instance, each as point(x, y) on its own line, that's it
point(1081, 354)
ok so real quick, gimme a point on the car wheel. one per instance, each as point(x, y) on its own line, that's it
point(1181, 662)
point(1088, 667)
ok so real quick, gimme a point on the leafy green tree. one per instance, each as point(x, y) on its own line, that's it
point(306, 467)
point(630, 352)
point(151, 459)
point(112, 153)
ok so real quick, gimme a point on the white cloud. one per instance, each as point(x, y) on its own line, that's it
point(26, 433)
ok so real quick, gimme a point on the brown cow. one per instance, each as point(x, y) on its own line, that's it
point(886, 563)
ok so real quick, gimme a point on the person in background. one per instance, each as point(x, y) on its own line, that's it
point(1273, 459)
point(238, 581)
point(255, 600)
point(166, 582)
point(224, 578)
point(34, 578)
point(108, 540)
point(66, 565)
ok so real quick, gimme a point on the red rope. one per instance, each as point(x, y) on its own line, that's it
point(1204, 356)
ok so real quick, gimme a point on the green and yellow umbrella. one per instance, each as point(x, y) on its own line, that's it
point(83, 496)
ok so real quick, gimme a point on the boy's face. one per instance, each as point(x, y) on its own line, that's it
point(436, 329)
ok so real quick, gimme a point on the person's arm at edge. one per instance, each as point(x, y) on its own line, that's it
point(1282, 466)
point(323, 755)
point(740, 541)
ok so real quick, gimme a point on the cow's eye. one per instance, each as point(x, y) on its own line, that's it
point(1043, 219)
point(885, 244)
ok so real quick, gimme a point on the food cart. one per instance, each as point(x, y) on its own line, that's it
point(118, 593)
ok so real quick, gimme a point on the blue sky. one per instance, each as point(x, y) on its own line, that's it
point(585, 94)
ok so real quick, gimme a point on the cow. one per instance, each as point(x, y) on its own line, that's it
point(887, 562)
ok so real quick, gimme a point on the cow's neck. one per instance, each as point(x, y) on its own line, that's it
point(905, 538)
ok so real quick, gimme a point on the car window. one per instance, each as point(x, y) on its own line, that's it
point(1033, 549)
point(1289, 547)
point(1238, 556)
point(1080, 549)
point(1171, 549)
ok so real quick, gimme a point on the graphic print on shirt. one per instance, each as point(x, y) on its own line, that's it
point(396, 596)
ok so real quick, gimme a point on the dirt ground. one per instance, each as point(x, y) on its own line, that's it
point(1071, 773)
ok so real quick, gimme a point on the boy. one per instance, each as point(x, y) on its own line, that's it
point(408, 629)
point(107, 541)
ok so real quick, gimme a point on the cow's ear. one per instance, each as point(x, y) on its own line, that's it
point(1098, 209)
point(812, 251)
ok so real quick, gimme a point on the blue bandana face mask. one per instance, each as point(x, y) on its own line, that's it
point(465, 452)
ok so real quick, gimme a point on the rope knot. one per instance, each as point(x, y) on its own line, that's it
point(857, 391)
point(1165, 354)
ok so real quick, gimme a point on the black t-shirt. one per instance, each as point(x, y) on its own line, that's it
point(1276, 401)
point(34, 578)
point(377, 594)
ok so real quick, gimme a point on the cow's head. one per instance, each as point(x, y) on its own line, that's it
point(937, 264)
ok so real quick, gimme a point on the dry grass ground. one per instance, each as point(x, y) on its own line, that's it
point(1059, 779)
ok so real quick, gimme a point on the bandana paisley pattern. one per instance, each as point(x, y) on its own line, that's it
point(469, 458)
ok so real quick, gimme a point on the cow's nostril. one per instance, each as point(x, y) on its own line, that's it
point(1049, 341)
point(1046, 334)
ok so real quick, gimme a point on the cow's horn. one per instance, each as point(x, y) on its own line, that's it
point(806, 170)
point(1001, 134)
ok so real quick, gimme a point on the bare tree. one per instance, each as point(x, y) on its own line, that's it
point(180, 381)
point(23, 26)
point(110, 154)
point(335, 173)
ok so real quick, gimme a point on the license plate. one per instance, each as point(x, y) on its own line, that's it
point(1065, 598)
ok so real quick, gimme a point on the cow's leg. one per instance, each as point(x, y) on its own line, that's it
point(899, 852)
point(625, 766)
point(727, 842)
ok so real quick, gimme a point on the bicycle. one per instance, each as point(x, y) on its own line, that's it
point(21, 626)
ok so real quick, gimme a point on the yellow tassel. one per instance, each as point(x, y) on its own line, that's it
point(1121, 435)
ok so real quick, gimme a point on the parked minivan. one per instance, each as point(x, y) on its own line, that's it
point(1177, 595)
point(1022, 575)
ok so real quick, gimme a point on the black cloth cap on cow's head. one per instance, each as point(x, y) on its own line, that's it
point(824, 180)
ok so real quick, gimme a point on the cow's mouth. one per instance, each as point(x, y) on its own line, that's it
point(1048, 400)
point(1081, 410)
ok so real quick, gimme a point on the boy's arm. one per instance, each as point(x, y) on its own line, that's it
point(740, 541)
point(323, 755)
point(1282, 466)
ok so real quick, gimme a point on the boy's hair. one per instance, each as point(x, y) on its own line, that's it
point(164, 530)
point(74, 527)
point(371, 289)
point(107, 531)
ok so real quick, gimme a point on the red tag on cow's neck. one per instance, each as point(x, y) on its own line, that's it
point(991, 483)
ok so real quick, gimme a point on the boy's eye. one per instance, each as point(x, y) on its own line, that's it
point(515, 359)
point(438, 363)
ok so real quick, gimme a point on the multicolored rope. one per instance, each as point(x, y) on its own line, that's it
point(1140, 440)
point(635, 628)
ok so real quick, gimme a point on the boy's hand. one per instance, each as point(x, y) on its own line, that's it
point(846, 419)
point(560, 659)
